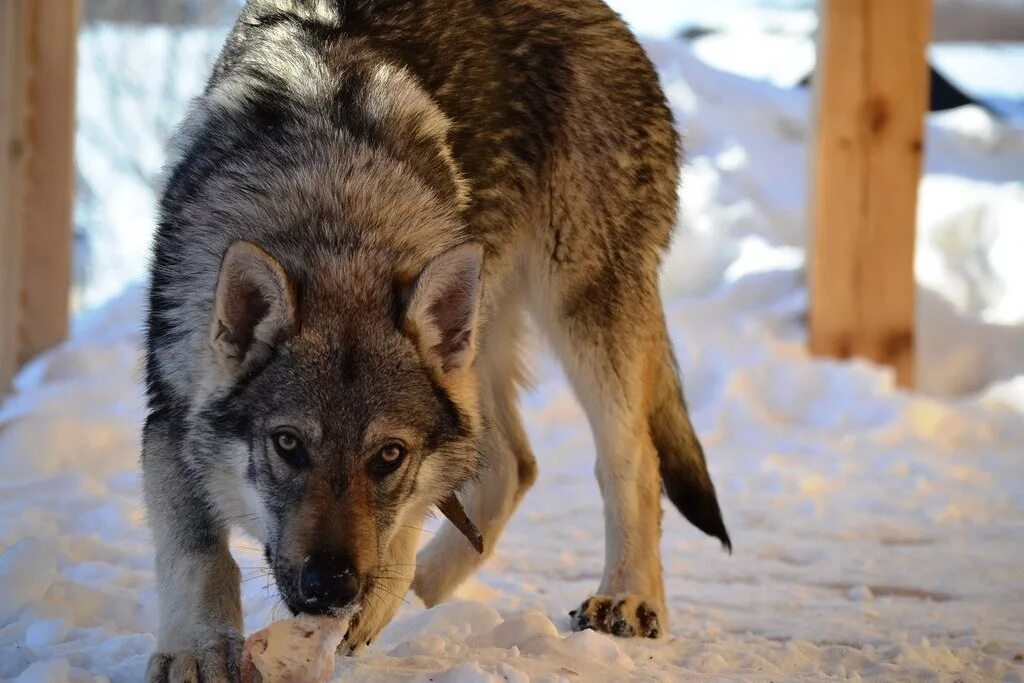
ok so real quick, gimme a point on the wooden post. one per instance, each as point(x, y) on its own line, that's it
point(38, 41)
point(871, 94)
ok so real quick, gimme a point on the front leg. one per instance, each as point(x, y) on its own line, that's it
point(200, 635)
point(390, 582)
point(198, 582)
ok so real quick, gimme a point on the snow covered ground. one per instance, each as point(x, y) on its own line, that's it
point(878, 534)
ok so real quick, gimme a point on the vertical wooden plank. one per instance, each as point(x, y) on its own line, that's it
point(50, 174)
point(870, 101)
point(36, 176)
point(12, 158)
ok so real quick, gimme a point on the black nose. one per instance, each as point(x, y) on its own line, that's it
point(328, 581)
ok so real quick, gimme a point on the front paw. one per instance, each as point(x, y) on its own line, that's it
point(626, 615)
point(214, 662)
point(367, 624)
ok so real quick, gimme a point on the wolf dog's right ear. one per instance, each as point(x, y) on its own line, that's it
point(254, 310)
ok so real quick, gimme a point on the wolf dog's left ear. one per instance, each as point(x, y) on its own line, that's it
point(254, 310)
point(443, 308)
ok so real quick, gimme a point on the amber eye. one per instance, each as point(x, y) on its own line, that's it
point(290, 448)
point(389, 458)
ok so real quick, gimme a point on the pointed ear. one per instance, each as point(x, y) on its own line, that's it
point(254, 310)
point(442, 311)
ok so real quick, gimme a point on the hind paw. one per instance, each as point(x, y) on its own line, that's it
point(625, 615)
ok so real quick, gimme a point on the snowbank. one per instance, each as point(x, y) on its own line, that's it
point(877, 532)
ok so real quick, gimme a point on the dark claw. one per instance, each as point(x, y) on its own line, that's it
point(581, 622)
point(602, 613)
point(620, 627)
point(648, 621)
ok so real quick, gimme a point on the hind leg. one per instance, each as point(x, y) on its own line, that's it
point(605, 341)
point(509, 468)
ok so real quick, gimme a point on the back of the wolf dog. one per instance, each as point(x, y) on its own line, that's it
point(392, 132)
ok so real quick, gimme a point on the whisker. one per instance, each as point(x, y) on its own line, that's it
point(389, 593)
point(378, 586)
point(252, 578)
point(411, 583)
point(393, 577)
point(235, 546)
point(273, 610)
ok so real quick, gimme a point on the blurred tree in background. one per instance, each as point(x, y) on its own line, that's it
point(140, 62)
point(162, 12)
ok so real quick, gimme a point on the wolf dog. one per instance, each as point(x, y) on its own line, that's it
point(360, 211)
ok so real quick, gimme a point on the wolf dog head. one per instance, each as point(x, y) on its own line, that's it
point(349, 397)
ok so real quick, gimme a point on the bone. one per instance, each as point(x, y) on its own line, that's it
point(299, 650)
point(451, 508)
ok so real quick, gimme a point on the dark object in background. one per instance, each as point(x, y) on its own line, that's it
point(695, 32)
point(944, 94)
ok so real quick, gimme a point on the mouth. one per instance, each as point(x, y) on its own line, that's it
point(345, 612)
point(300, 607)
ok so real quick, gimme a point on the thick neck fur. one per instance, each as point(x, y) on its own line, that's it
point(312, 59)
point(314, 148)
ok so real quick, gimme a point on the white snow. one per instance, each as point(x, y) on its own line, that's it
point(878, 533)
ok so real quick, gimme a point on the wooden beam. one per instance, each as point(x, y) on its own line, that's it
point(12, 162)
point(37, 123)
point(871, 94)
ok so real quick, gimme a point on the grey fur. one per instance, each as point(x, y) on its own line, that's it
point(352, 155)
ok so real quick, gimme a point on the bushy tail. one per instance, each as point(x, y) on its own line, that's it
point(684, 472)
